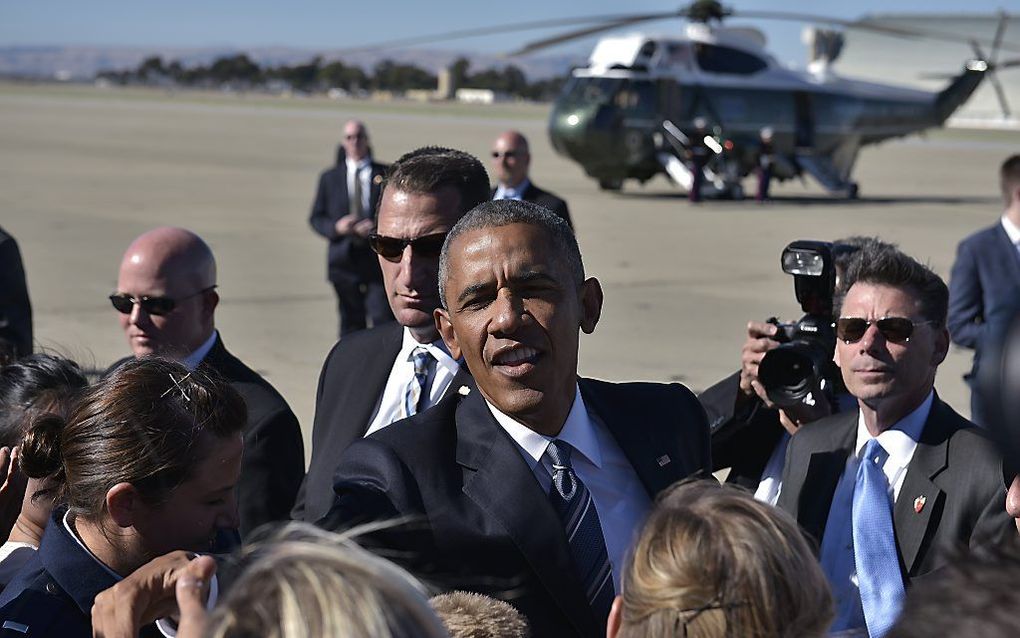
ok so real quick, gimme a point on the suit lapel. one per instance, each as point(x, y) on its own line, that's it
point(1008, 250)
point(363, 393)
point(930, 457)
point(824, 470)
point(499, 481)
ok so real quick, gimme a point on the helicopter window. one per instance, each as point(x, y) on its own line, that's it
point(636, 97)
point(584, 91)
point(720, 59)
point(647, 50)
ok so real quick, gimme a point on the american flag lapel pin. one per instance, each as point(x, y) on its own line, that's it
point(663, 460)
point(919, 504)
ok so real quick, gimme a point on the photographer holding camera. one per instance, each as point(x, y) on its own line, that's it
point(752, 418)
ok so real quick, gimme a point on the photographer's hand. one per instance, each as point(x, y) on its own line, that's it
point(813, 407)
point(759, 341)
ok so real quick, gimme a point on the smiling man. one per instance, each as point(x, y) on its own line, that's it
point(888, 487)
point(533, 481)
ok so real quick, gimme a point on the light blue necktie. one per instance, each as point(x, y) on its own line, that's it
point(877, 561)
point(415, 392)
point(572, 501)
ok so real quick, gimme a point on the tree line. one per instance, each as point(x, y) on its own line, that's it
point(241, 72)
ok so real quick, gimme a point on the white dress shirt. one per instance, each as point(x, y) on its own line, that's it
point(772, 476)
point(192, 360)
point(442, 369)
point(837, 552)
point(619, 496)
point(504, 191)
point(363, 170)
point(1012, 231)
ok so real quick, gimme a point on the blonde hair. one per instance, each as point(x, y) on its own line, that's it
point(712, 562)
point(471, 615)
point(303, 582)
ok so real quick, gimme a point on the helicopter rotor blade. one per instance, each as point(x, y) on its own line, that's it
point(1000, 94)
point(545, 43)
point(1000, 31)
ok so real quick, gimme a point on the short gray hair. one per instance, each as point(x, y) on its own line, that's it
point(504, 212)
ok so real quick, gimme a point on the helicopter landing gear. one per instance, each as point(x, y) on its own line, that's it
point(614, 184)
point(852, 191)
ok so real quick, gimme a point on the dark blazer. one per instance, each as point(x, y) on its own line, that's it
point(955, 467)
point(15, 308)
point(52, 594)
point(484, 523)
point(985, 278)
point(347, 253)
point(274, 454)
point(353, 378)
point(544, 198)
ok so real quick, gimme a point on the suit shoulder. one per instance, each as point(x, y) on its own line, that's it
point(424, 430)
point(981, 237)
point(648, 397)
point(39, 608)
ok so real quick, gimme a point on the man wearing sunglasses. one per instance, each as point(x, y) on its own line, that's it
point(344, 213)
point(511, 160)
point(888, 488)
point(165, 301)
point(375, 377)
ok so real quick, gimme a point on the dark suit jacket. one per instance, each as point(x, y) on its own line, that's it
point(546, 199)
point(984, 280)
point(53, 593)
point(485, 524)
point(955, 467)
point(353, 378)
point(15, 309)
point(348, 255)
point(274, 454)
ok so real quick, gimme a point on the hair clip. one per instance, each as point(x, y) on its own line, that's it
point(177, 384)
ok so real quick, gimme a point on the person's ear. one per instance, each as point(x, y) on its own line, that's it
point(591, 304)
point(615, 618)
point(941, 346)
point(445, 328)
point(123, 502)
point(210, 300)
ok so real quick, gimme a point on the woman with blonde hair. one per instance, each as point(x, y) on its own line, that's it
point(712, 562)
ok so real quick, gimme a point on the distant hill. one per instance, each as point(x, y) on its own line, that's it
point(83, 62)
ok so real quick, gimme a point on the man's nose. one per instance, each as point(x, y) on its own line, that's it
point(137, 314)
point(510, 313)
point(872, 338)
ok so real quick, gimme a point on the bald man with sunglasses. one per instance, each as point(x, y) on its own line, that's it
point(166, 300)
point(890, 488)
point(375, 377)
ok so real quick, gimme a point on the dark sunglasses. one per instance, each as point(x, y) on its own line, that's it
point(355, 136)
point(392, 248)
point(506, 154)
point(158, 306)
point(893, 329)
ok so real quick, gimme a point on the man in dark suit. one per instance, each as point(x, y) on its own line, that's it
point(166, 297)
point(888, 487)
point(986, 278)
point(15, 308)
point(511, 160)
point(529, 484)
point(367, 376)
point(344, 213)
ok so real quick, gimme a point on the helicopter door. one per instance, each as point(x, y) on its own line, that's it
point(804, 122)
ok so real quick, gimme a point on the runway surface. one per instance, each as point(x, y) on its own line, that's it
point(85, 170)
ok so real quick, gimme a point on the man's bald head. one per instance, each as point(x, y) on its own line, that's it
point(175, 264)
point(355, 140)
point(511, 158)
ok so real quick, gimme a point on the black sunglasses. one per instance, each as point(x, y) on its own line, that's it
point(506, 154)
point(158, 306)
point(893, 329)
point(392, 248)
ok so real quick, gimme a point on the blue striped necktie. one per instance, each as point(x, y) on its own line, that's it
point(415, 393)
point(572, 502)
point(875, 555)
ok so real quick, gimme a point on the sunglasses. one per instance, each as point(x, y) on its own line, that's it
point(355, 136)
point(157, 306)
point(392, 248)
point(506, 154)
point(893, 329)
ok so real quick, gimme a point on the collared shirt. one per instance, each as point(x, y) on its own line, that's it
point(363, 170)
point(442, 369)
point(772, 476)
point(1012, 231)
point(192, 360)
point(505, 191)
point(837, 552)
point(619, 496)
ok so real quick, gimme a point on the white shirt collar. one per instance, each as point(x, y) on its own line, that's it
point(437, 349)
point(518, 190)
point(577, 431)
point(74, 534)
point(192, 360)
point(1011, 230)
point(357, 165)
point(901, 439)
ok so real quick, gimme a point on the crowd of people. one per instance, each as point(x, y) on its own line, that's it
point(466, 481)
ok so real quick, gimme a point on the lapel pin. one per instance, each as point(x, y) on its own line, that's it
point(663, 460)
point(464, 391)
point(919, 503)
point(377, 179)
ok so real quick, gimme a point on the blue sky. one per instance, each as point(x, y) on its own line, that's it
point(335, 24)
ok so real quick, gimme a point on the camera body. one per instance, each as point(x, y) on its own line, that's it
point(802, 363)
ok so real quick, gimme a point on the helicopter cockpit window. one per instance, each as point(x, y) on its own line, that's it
point(720, 59)
point(636, 97)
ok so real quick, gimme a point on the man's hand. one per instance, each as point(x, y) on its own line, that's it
point(759, 341)
point(364, 227)
point(345, 225)
point(148, 594)
point(192, 591)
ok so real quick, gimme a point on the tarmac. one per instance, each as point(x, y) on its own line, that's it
point(84, 170)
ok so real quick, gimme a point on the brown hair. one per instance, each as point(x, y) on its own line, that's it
point(141, 425)
point(716, 562)
point(1009, 178)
